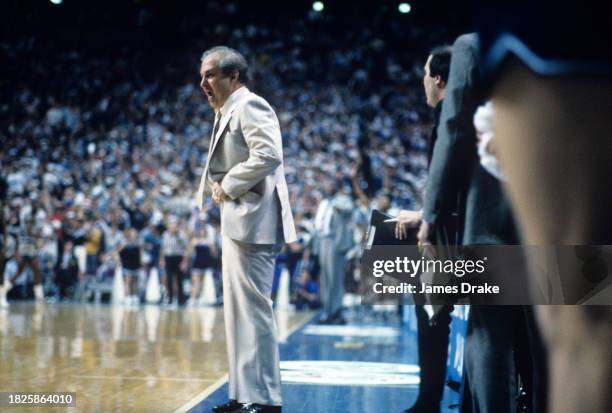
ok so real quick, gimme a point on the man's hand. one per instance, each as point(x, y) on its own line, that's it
point(424, 241)
point(406, 219)
point(424, 234)
point(219, 194)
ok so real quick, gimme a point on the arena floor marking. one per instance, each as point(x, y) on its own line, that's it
point(321, 376)
point(214, 387)
point(85, 376)
point(197, 399)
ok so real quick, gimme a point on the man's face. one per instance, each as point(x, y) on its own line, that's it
point(217, 86)
point(173, 227)
point(133, 234)
point(384, 202)
point(431, 88)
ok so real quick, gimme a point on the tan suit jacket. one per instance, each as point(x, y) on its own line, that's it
point(246, 157)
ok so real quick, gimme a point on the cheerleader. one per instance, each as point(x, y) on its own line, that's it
point(131, 264)
point(202, 246)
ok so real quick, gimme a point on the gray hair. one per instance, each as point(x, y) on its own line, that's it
point(230, 60)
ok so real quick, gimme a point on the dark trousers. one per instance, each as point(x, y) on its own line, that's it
point(68, 279)
point(532, 362)
point(174, 274)
point(31, 262)
point(490, 384)
point(502, 343)
point(433, 352)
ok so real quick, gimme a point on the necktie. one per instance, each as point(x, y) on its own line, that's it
point(215, 128)
point(200, 193)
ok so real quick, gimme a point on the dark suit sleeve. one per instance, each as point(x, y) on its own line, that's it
point(454, 151)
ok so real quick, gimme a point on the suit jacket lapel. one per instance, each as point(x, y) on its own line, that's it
point(222, 124)
point(225, 118)
point(203, 183)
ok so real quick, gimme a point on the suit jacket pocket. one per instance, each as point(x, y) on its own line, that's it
point(250, 197)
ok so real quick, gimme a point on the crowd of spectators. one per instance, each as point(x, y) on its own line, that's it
point(105, 134)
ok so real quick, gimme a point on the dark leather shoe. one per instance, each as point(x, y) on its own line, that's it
point(454, 385)
point(338, 321)
point(231, 406)
point(259, 408)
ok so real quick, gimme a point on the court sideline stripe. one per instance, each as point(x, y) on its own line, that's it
point(91, 376)
point(213, 387)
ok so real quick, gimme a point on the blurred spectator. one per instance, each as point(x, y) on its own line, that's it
point(131, 264)
point(27, 258)
point(68, 273)
point(307, 292)
point(151, 248)
point(203, 250)
point(173, 248)
point(94, 244)
point(95, 129)
point(334, 238)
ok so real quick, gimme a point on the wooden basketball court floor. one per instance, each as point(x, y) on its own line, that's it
point(116, 358)
point(154, 359)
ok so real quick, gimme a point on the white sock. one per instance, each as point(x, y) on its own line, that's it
point(38, 292)
point(3, 291)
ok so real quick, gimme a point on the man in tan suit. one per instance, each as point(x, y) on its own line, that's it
point(244, 174)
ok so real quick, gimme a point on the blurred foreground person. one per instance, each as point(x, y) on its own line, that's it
point(551, 91)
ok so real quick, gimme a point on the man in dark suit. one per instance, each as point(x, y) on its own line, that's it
point(456, 176)
point(432, 338)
